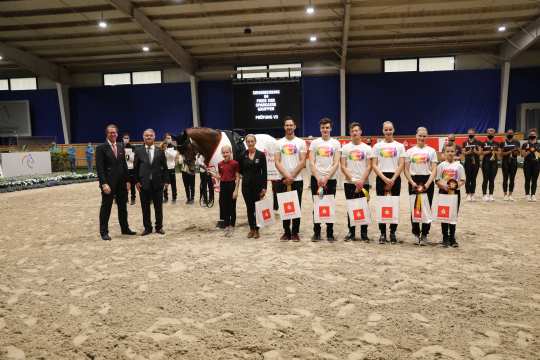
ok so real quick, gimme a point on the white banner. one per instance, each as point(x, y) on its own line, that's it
point(26, 163)
point(421, 212)
point(264, 213)
point(358, 211)
point(445, 208)
point(387, 209)
point(289, 205)
point(324, 209)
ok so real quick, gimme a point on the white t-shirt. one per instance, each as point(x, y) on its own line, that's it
point(290, 151)
point(323, 152)
point(453, 170)
point(130, 157)
point(170, 155)
point(357, 159)
point(388, 155)
point(421, 159)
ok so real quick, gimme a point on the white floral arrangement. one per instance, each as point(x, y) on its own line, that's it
point(44, 181)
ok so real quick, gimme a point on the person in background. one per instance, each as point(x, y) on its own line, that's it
point(206, 184)
point(54, 149)
point(451, 141)
point(253, 170)
point(509, 151)
point(388, 163)
point(89, 152)
point(290, 160)
point(324, 154)
point(152, 177)
point(448, 172)
point(112, 174)
point(531, 164)
point(472, 149)
point(229, 176)
point(490, 150)
point(72, 157)
point(420, 171)
point(130, 157)
point(172, 155)
point(356, 166)
point(188, 178)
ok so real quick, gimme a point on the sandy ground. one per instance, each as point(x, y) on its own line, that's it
point(194, 294)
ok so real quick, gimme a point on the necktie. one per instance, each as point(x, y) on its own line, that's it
point(149, 154)
point(114, 150)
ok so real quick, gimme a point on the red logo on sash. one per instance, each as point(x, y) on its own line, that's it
point(417, 214)
point(288, 207)
point(387, 212)
point(324, 211)
point(443, 212)
point(358, 214)
point(266, 214)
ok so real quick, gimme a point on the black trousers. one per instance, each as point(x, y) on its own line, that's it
point(189, 185)
point(509, 170)
point(207, 187)
point(489, 172)
point(449, 230)
point(471, 172)
point(350, 193)
point(421, 179)
point(531, 169)
point(227, 205)
point(275, 186)
point(152, 196)
point(299, 187)
point(330, 189)
point(172, 179)
point(121, 197)
point(395, 191)
point(251, 193)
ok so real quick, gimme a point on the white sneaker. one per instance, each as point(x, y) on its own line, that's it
point(533, 197)
point(510, 198)
point(485, 198)
point(506, 198)
point(491, 198)
point(528, 197)
point(472, 198)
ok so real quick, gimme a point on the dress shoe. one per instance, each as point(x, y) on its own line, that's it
point(256, 234)
point(295, 238)
point(285, 237)
point(250, 234)
point(348, 237)
point(330, 238)
point(393, 239)
point(316, 237)
point(160, 231)
point(105, 237)
point(382, 239)
point(364, 237)
point(146, 232)
point(129, 232)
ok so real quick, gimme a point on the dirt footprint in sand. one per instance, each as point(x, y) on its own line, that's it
point(318, 328)
point(14, 353)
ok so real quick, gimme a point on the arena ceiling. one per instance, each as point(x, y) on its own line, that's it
point(200, 33)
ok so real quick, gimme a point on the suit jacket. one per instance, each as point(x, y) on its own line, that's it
point(111, 170)
point(253, 171)
point(151, 176)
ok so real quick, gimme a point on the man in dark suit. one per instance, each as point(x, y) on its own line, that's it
point(113, 181)
point(152, 177)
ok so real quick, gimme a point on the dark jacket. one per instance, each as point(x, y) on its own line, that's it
point(150, 176)
point(111, 170)
point(253, 171)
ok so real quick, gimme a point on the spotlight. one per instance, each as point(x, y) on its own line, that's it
point(102, 24)
point(502, 28)
point(145, 49)
point(1, 58)
point(310, 10)
point(313, 38)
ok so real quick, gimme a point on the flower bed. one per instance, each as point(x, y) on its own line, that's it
point(18, 184)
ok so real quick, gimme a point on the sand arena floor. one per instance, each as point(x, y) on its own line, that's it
point(194, 294)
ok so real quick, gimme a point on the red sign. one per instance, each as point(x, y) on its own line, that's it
point(443, 211)
point(387, 212)
point(417, 213)
point(266, 214)
point(358, 214)
point(324, 211)
point(289, 207)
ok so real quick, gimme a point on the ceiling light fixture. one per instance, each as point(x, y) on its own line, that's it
point(102, 23)
point(313, 38)
point(1, 58)
point(502, 28)
point(310, 9)
point(145, 49)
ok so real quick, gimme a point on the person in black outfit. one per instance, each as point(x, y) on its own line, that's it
point(531, 164)
point(471, 151)
point(113, 181)
point(206, 184)
point(509, 151)
point(253, 171)
point(129, 160)
point(490, 164)
point(188, 178)
point(152, 177)
point(171, 155)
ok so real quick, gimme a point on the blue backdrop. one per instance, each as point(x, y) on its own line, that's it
point(321, 99)
point(215, 104)
point(524, 87)
point(164, 107)
point(44, 111)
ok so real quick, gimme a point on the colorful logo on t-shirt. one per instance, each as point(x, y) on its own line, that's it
point(448, 174)
point(419, 158)
point(357, 155)
point(325, 151)
point(289, 149)
point(388, 152)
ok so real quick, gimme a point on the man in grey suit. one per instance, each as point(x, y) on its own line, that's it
point(152, 177)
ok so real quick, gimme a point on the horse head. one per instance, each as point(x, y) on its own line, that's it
point(186, 147)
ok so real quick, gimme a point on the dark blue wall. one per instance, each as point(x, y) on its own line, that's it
point(44, 111)
point(164, 107)
point(321, 99)
point(524, 87)
point(445, 102)
point(215, 104)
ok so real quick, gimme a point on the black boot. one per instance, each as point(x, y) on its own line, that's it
point(382, 239)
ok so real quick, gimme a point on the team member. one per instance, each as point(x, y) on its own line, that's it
point(188, 178)
point(171, 154)
point(253, 171)
point(450, 177)
point(388, 163)
point(290, 160)
point(324, 161)
point(509, 151)
point(420, 171)
point(472, 149)
point(130, 157)
point(490, 150)
point(89, 152)
point(229, 176)
point(113, 179)
point(152, 177)
point(531, 165)
point(356, 166)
